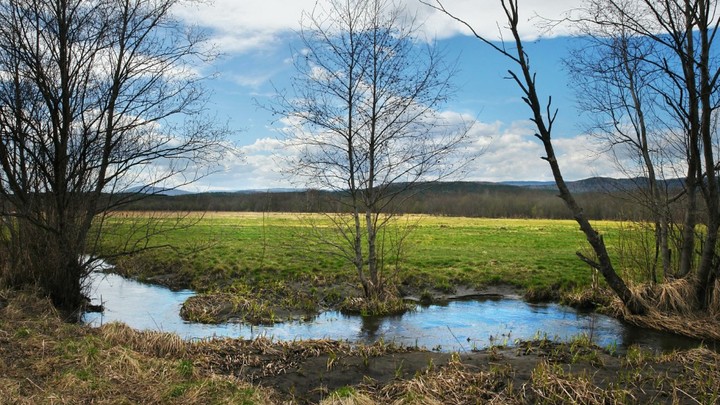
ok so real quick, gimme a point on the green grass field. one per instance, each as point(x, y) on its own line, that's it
point(441, 252)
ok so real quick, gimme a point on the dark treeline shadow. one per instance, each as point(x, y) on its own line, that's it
point(465, 199)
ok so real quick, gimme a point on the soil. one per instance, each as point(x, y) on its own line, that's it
point(308, 380)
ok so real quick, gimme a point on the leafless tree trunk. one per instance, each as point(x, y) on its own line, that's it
point(365, 120)
point(543, 116)
point(97, 98)
point(683, 35)
point(615, 86)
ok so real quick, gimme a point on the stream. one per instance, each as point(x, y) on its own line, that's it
point(456, 326)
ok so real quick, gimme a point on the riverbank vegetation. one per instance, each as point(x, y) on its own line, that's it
point(274, 260)
point(602, 199)
point(44, 359)
point(442, 252)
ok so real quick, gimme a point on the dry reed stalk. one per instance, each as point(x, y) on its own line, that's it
point(550, 385)
point(152, 342)
point(452, 384)
point(676, 296)
point(694, 326)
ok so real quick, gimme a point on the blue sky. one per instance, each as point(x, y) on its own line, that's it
point(257, 38)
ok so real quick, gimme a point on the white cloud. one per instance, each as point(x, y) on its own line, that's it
point(516, 154)
point(485, 16)
point(511, 153)
point(254, 81)
point(241, 26)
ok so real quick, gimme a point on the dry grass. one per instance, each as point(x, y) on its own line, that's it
point(550, 384)
point(352, 399)
point(45, 360)
point(695, 326)
point(672, 307)
point(454, 383)
point(262, 357)
point(161, 344)
point(675, 296)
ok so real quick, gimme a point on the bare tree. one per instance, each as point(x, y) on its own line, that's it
point(685, 80)
point(665, 50)
point(543, 116)
point(97, 98)
point(615, 87)
point(364, 118)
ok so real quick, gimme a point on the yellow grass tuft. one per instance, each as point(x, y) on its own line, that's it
point(453, 384)
point(675, 296)
point(151, 342)
point(551, 385)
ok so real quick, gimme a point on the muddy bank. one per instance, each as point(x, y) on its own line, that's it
point(44, 360)
point(534, 371)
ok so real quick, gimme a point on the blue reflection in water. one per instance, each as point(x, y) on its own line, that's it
point(459, 325)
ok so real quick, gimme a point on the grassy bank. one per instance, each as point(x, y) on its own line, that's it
point(441, 252)
point(44, 360)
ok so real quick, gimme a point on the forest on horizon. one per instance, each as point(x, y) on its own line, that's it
point(602, 199)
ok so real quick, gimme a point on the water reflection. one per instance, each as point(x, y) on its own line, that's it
point(457, 325)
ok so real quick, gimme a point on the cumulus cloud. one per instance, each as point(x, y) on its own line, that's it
point(242, 26)
point(514, 153)
point(510, 152)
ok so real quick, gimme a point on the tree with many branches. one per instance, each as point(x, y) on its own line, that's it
point(662, 64)
point(364, 117)
point(100, 104)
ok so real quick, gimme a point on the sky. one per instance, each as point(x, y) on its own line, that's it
point(257, 38)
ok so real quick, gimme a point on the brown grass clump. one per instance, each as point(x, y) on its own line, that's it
point(45, 360)
point(151, 342)
point(672, 308)
point(21, 305)
point(675, 296)
point(455, 383)
point(551, 385)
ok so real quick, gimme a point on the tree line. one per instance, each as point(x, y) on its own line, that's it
point(462, 199)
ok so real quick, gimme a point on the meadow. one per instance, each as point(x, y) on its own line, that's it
point(440, 253)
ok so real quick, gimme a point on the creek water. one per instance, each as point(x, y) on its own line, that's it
point(456, 326)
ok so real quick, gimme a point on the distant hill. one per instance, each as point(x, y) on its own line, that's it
point(589, 185)
point(598, 196)
point(595, 184)
point(158, 191)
